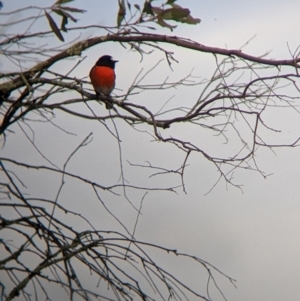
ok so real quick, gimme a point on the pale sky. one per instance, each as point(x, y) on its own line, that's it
point(253, 235)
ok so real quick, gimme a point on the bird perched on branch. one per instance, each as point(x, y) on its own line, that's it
point(103, 77)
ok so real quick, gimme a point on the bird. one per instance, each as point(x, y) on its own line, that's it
point(103, 77)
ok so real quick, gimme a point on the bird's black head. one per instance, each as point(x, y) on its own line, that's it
point(107, 61)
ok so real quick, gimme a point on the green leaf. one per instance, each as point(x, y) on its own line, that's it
point(179, 13)
point(162, 23)
point(190, 20)
point(148, 8)
point(64, 14)
point(129, 5)
point(64, 22)
point(175, 13)
point(58, 12)
point(157, 10)
point(121, 12)
point(73, 9)
point(183, 15)
point(164, 14)
point(170, 1)
point(54, 27)
point(62, 2)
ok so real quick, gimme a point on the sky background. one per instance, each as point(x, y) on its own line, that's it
point(253, 235)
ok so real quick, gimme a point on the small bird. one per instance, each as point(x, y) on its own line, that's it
point(103, 76)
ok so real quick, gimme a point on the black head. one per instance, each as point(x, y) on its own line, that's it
point(107, 61)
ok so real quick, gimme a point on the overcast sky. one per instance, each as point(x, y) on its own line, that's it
point(253, 235)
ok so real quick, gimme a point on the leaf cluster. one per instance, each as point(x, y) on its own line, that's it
point(64, 12)
point(168, 11)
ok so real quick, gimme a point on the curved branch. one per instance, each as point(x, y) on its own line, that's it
point(141, 37)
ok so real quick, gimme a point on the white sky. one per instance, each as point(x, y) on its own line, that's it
point(252, 236)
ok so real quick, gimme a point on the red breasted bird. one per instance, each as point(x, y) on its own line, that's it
point(103, 76)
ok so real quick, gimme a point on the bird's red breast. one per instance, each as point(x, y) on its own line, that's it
point(103, 75)
point(103, 79)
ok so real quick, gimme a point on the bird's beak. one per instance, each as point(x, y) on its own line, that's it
point(115, 61)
